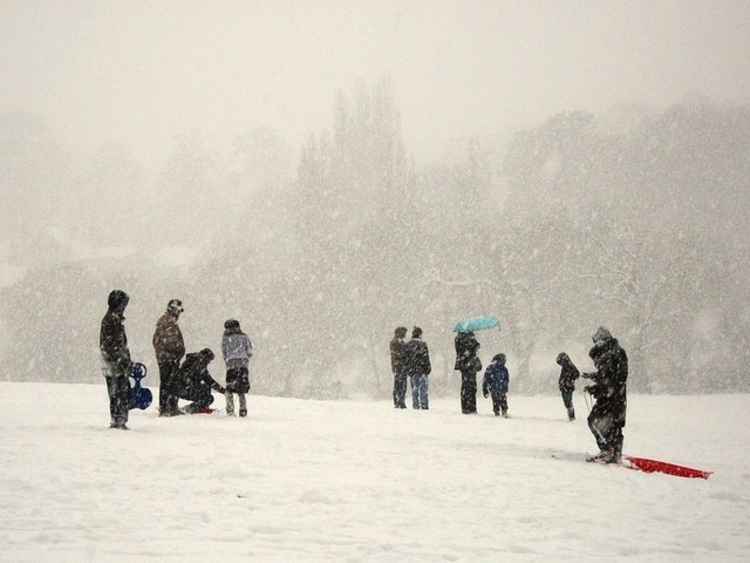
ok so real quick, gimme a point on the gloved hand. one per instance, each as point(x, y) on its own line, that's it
point(485, 393)
point(588, 388)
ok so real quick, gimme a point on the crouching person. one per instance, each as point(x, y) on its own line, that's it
point(194, 382)
point(115, 354)
point(495, 383)
point(237, 349)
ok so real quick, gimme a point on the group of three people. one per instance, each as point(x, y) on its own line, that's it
point(190, 380)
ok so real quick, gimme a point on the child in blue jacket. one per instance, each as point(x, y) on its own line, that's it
point(496, 379)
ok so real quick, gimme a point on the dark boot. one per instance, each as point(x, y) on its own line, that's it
point(607, 455)
point(571, 414)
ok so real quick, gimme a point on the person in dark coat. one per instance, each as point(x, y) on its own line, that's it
point(495, 382)
point(115, 356)
point(469, 364)
point(169, 347)
point(194, 382)
point(397, 368)
point(568, 375)
point(237, 349)
point(418, 367)
point(607, 417)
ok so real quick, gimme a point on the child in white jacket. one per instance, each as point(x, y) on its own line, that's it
point(237, 349)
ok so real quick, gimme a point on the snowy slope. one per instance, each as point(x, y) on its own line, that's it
point(306, 480)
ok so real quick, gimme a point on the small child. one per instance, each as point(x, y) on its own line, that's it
point(568, 375)
point(237, 349)
point(496, 379)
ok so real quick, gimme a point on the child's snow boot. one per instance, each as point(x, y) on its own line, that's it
point(243, 412)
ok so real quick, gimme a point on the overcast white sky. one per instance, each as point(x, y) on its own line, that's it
point(141, 72)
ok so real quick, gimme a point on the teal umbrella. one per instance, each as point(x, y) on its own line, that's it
point(479, 323)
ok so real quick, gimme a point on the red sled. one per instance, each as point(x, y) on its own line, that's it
point(654, 466)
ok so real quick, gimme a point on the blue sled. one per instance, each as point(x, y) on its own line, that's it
point(480, 323)
point(138, 397)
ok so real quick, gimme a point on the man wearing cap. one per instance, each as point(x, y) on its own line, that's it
point(169, 347)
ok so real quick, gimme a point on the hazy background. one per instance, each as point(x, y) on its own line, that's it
point(326, 171)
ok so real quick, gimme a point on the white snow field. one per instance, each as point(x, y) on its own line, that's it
point(359, 481)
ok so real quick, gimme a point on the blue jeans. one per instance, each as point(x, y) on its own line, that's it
point(419, 391)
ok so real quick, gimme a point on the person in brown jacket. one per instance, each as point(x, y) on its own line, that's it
point(170, 348)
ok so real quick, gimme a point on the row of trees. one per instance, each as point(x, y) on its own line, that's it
point(635, 219)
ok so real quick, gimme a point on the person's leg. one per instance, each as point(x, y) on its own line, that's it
point(229, 396)
point(495, 402)
point(600, 424)
point(398, 383)
point(401, 402)
point(414, 380)
point(111, 395)
point(424, 392)
point(471, 393)
point(567, 397)
point(122, 388)
point(243, 405)
point(464, 392)
point(504, 404)
point(201, 398)
point(165, 385)
point(172, 399)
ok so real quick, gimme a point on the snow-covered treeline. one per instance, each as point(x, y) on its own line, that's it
point(636, 219)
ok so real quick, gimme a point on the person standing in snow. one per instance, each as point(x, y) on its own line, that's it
point(397, 367)
point(568, 374)
point(169, 347)
point(496, 381)
point(237, 349)
point(194, 382)
point(469, 364)
point(418, 367)
point(607, 417)
point(115, 355)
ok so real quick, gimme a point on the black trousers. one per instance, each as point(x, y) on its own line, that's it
point(468, 392)
point(499, 402)
point(118, 388)
point(200, 395)
point(567, 398)
point(167, 384)
point(399, 390)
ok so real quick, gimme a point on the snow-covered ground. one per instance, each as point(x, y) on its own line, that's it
point(309, 480)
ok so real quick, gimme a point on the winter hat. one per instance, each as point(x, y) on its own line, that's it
point(499, 358)
point(601, 335)
point(117, 300)
point(400, 332)
point(416, 332)
point(175, 306)
point(562, 357)
point(231, 324)
point(207, 353)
